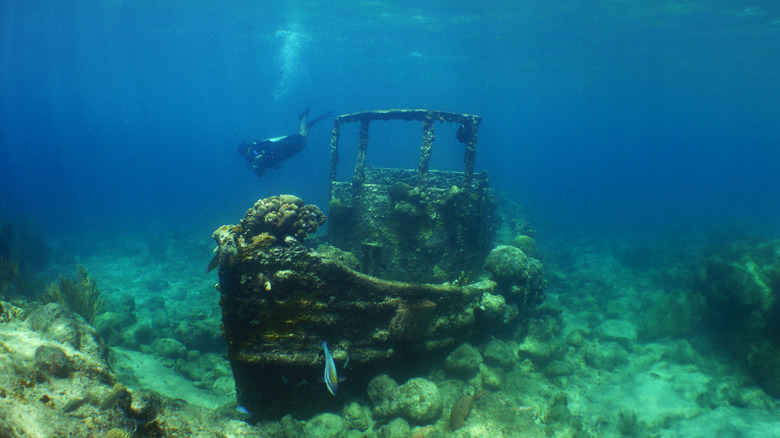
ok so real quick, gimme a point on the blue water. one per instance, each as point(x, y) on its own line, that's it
point(600, 118)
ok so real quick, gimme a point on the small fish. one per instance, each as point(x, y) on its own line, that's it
point(244, 410)
point(213, 263)
point(331, 377)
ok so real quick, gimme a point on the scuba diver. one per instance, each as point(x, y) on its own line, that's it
point(269, 153)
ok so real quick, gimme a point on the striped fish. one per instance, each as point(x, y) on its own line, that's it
point(331, 377)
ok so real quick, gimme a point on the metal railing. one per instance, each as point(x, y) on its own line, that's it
point(467, 134)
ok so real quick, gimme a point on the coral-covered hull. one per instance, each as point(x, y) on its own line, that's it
point(280, 303)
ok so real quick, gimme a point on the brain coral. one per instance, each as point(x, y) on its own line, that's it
point(268, 221)
point(281, 216)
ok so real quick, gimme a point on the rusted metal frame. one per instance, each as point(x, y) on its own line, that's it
point(359, 177)
point(427, 117)
point(472, 125)
point(334, 154)
point(406, 114)
point(425, 150)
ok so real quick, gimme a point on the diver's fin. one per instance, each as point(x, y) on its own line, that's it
point(304, 113)
point(320, 118)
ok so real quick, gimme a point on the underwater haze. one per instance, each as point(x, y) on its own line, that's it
point(633, 147)
point(599, 117)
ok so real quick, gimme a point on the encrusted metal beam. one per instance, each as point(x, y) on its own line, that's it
point(360, 163)
point(407, 114)
point(425, 151)
point(470, 136)
point(334, 153)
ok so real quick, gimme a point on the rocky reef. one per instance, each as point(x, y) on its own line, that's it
point(55, 380)
point(521, 277)
point(741, 286)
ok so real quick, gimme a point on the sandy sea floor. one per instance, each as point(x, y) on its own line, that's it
point(624, 382)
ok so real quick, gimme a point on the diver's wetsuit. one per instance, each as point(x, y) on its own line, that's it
point(269, 153)
point(265, 154)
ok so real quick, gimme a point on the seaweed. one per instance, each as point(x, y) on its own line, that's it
point(79, 296)
point(9, 269)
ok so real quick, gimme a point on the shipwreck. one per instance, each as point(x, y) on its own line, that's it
point(392, 287)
